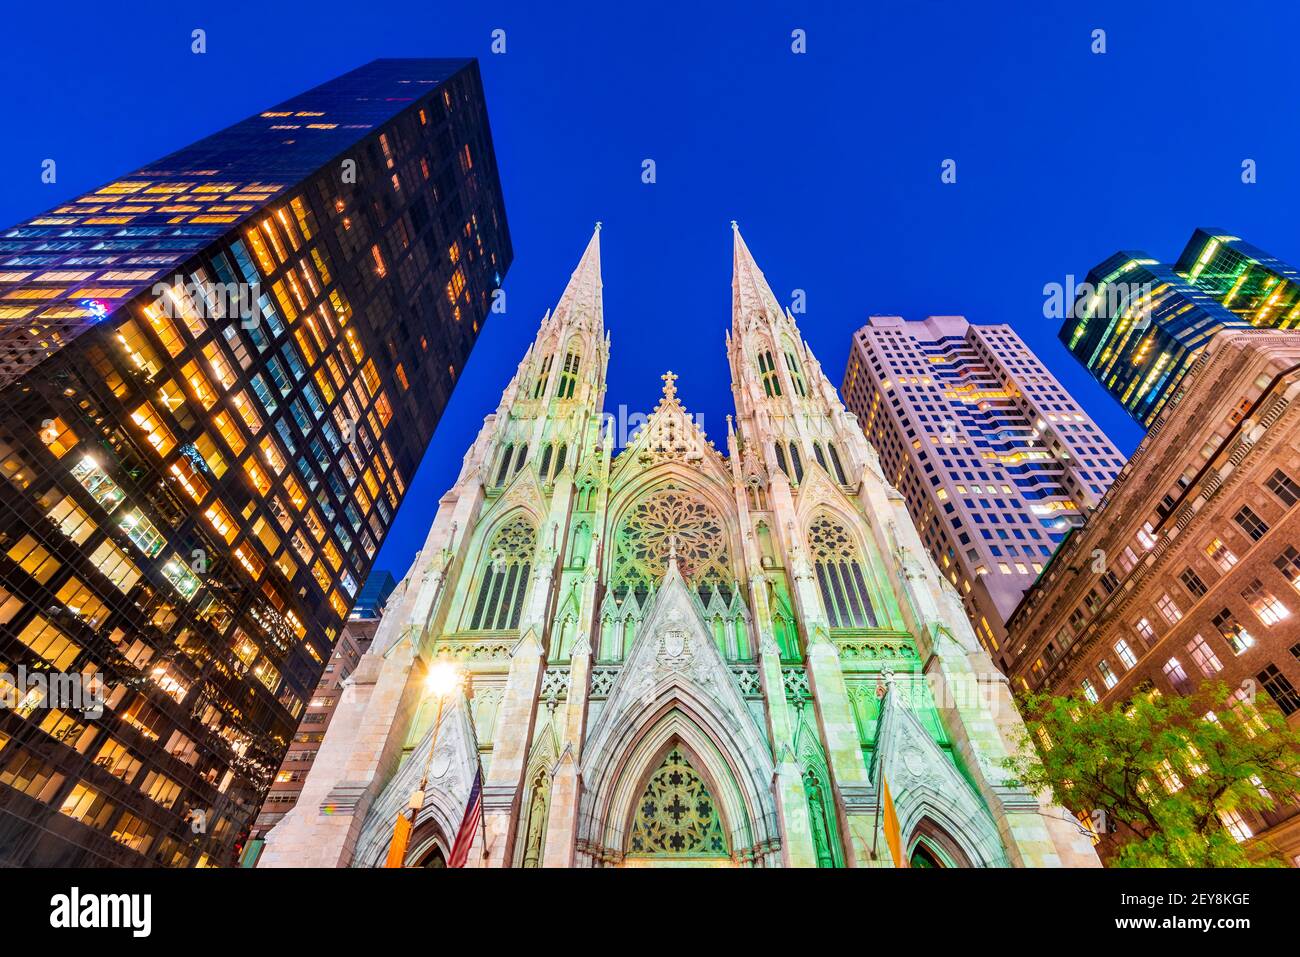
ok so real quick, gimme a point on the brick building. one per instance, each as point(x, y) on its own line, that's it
point(1188, 570)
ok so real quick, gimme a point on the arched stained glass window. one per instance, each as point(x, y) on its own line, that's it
point(569, 376)
point(780, 459)
point(504, 470)
point(676, 816)
point(542, 377)
point(505, 578)
point(797, 461)
point(835, 461)
point(840, 576)
point(922, 856)
point(796, 376)
point(767, 372)
point(820, 456)
point(552, 453)
point(665, 520)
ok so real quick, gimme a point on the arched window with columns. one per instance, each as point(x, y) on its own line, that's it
point(767, 372)
point(542, 377)
point(841, 577)
point(796, 376)
point(780, 459)
point(503, 581)
point(569, 376)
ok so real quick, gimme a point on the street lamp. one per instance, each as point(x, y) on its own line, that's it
point(442, 680)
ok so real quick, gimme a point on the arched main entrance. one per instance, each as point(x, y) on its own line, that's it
point(677, 822)
point(675, 709)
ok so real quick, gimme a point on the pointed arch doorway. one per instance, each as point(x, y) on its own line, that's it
point(677, 823)
point(676, 728)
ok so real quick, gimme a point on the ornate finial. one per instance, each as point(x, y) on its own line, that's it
point(598, 225)
point(735, 225)
point(672, 551)
point(885, 682)
point(670, 388)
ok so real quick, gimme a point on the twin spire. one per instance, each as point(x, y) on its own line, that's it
point(750, 294)
point(582, 302)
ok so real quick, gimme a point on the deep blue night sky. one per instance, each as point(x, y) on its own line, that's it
point(829, 160)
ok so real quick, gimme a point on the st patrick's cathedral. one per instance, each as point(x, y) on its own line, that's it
point(668, 655)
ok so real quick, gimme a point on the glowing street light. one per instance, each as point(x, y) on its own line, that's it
point(441, 681)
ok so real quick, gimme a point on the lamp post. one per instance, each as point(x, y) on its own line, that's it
point(441, 681)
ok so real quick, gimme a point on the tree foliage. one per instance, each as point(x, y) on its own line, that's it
point(1159, 776)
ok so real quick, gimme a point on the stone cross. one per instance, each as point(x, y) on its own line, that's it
point(670, 387)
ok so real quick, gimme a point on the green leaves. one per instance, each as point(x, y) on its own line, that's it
point(1164, 779)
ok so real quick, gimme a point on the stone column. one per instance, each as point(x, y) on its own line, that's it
point(566, 782)
point(511, 738)
point(359, 754)
point(843, 750)
point(787, 785)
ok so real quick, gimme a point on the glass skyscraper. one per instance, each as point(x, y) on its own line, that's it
point(1138, 324)
point(995, 459)
point(370, 603)
point(217, 376)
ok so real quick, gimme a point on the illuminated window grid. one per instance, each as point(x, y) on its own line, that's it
point(216, 356)
point(178, 353)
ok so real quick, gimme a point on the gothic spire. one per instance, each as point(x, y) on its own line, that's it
point(751, 296)
point(582, 302)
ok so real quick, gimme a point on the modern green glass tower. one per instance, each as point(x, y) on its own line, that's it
point(1138, 324)
point(218, 375)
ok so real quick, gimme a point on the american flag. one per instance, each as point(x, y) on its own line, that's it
point(468, 824)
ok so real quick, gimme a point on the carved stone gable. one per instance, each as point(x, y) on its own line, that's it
point(926, 784)
point(674, 655)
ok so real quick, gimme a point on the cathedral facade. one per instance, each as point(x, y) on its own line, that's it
point(672, 654)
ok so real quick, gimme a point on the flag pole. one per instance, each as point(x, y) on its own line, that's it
point(882, 689)
point(482, 816)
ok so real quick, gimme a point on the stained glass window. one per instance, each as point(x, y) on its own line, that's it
point(666, 520)
point(676, 815)
point(505, 580)
point(840, 576)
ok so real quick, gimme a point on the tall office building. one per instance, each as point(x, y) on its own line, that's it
point(1138, 324)
point(370, 603)
point(996, 460)
point(217, 376)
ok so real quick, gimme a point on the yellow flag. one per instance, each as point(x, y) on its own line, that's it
point(397, 846)
point(892, 835)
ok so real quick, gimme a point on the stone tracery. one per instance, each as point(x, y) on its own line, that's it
point(671, 520)
point(676, 815)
